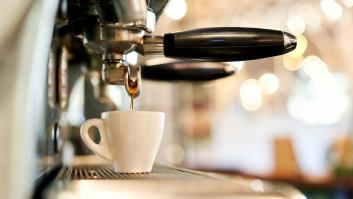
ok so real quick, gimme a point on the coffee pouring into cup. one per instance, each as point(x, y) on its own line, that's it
point(130, 139)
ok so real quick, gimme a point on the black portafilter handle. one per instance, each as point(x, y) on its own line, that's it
point(191, 71)
point(228, 44)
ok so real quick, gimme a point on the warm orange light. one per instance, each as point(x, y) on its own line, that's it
point(292, 63)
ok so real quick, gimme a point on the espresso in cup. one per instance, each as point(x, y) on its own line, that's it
point(129, 139)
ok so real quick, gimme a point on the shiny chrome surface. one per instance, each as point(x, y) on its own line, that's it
point(117, 72)
point(115, 40)
point(114, 71)
point(152, 45)
point(23, 98)
point(164, 182)
point(95, 172)
point(290, 42)
point(150, 22)
point(130, 11)
point(111, 38)
point(137, 189)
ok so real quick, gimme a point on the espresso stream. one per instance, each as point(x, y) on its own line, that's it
point(131, 102)
point(132, 89)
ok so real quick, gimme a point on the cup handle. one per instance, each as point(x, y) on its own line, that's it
point(101, 149)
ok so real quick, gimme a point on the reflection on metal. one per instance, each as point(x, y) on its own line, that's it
point(113, 72)
point(130, 11)
point(75, 112)
point(290, 42)
point(163, 182)
point(111, 38)
point(107, 172)
point(23, 96)
point(152, 45)
point(63, 79)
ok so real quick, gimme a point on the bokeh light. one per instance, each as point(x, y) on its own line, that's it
point(348, 3)
point(269, 83)
point(322, 101)
point(296, 25)
point(302, 44)
point(250, 95)
point(292, 63)
point(315, 68)
point(132, 58)
point(237, 64)
point(313, 19)
point(176, 9)
point(332, 10)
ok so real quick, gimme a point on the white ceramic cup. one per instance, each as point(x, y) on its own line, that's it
point(130, 139)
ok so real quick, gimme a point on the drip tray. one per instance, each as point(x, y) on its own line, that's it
point(104, 172)
point(101, 181)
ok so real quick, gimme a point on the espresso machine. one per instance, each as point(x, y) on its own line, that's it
point(44, 45)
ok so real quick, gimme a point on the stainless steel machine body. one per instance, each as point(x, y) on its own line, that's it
point(24, 114)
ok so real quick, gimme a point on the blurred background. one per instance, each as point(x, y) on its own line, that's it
point(282, 119)
point(287, 118)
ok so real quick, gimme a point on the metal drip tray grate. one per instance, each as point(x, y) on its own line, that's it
point(105, 172)
point(92, 181)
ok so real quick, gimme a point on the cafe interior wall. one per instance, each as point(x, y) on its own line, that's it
point(303, 105)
